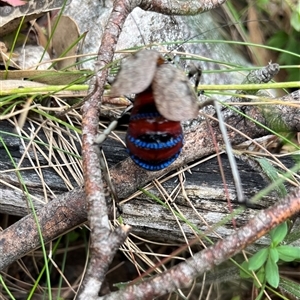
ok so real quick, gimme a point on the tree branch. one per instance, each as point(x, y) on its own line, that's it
point(104, 241)
point(55, 218)
point(189, 7)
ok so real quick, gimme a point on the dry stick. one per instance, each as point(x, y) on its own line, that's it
point(191, 7)
point(69, 209)
point(57, 217)
point(257, 76)
point(104, 241)
point(182, 275)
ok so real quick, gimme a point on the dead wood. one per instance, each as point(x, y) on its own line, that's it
point(104, 241)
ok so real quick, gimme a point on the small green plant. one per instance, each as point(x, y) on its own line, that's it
point(265, 262)
point(287, 41)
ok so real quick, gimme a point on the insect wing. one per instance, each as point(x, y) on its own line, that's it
point(174, 97)
point(136, 73)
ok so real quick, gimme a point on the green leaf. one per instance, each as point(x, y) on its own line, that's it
point(293, 75)
point(243, 273)
point(278, 40)
point(291, 287)
point(121, 285)
point(295, 20)
point(261, 293)
point(292, 45)
point(258, 259)
point(73, 236)
point(272, 274)
point(272, 174)
point(288, 253)
point(274, 256)
point(278, 234)
point(262, 2)
point(261, 276)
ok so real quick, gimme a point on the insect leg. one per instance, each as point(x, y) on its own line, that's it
point(100, 138)
point(195, 71)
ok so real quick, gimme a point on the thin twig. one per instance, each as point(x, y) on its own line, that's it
point(104, 241)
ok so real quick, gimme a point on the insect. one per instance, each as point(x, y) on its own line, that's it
point(153, 142)
point(164, 98)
